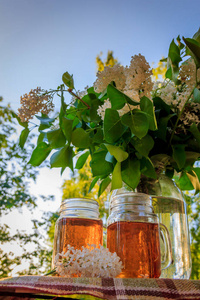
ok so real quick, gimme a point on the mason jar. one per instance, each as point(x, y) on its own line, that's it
point(134, 232)
point(78, 225)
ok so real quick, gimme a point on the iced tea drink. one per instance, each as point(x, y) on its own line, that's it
point(138, 246)
point(78, 225)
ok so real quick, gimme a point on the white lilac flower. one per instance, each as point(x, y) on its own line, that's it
point(36, 101)
point(109, 74)
point(132, 94)
point(168, 93)
point(102, 108)
point(138, 76)
point(188, 74)
point(88, 262)
point(107, 104)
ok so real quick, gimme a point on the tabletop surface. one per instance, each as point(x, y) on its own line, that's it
point(48, 287)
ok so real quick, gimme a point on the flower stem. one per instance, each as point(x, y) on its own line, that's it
point(73, 94)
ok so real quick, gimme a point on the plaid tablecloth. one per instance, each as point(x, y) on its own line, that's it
point(89, 288)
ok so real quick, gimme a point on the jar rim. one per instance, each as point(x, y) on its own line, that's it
point(79, 203)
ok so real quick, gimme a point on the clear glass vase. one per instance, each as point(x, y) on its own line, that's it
point(170, 207)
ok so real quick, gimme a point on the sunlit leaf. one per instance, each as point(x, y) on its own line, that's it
point(39, 154)
point(194, 180)
point(56, 138)
point(116, 177)
point(194, 48)
point(146, 106)
point(81, 160)
point(119, 154)
point(103, 185)
point(67, 126)
point(68, 80)
point(62, 158)
point(23, 136)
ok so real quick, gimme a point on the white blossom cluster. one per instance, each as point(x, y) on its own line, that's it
point(36, 101)
point(176, 96)
point(134, 81)
point(88, 262)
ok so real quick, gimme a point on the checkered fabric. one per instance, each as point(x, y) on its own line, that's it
point(110, 288)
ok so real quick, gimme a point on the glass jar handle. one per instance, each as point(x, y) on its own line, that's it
point(168, 247)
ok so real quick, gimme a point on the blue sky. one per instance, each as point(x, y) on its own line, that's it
point(41, 39)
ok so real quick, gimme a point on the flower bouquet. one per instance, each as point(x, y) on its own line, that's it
point(128, 125)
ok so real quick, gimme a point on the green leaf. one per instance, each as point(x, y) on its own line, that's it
point(68, 80)
point(147, 168)
point(194, 48)
point(99, 165)
point(56, 138)
point(93, 111)
point(110, 158)
point(103, 185)
point(196, 95)
point(184, 183)
point(146, 106)
point(98, 136)
point(113, 128)
point(80, 138)
point(73, 117)
point(117, 98)
point(195, 132)
point(137, 122)
point(196, 36)
point(162, 127)
point(173, 62)
point(144, 145)
point(23, 124)
point(119, 154)
point(116, 177)
point(161, 105)
point(39, 154)
point(191, 157)
point(81, 160)
point(94, 181)
point(131, 172)
point(194, 180)
point(41, 137)
point(63, 105)
point(67, 127)
point(45, 120)
point(62, 158)
point(179, 155)
point(23, 136)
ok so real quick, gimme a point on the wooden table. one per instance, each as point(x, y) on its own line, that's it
point(47, 287)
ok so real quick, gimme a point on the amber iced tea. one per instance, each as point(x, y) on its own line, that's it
point(138, 246)
point(77, 232)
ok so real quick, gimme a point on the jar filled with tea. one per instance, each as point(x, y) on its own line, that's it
point(134, 233)
point(78, 225)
